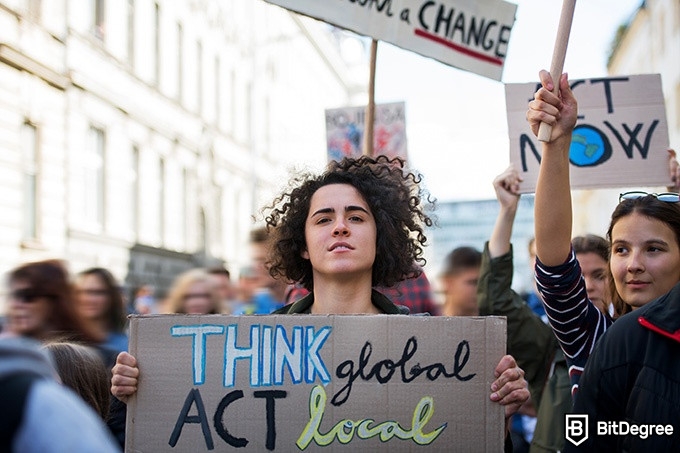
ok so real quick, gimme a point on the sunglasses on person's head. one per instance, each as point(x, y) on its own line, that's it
point(25, 295)
point(668, 197)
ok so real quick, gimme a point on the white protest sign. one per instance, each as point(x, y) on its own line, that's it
point(620, 139)
point(305, 382)
point(345, 131)
point(469, 34)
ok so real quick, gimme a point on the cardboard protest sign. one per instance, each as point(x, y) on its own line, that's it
point(620, 139)
point(315, 383)
point(469, 34)
point(345, 131)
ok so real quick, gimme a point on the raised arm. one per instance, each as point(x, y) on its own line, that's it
point(553, 214)
point(506, 186)
point(530, 341)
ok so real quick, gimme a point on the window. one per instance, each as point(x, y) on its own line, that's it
point(131, 32)
point(157, 42)
point(161, 199)
point(184, 184)
point(199, 77)
point(135, 188)
point(98, 21)
point(93, 178)
point(217, 94)
point(31, 167)
point(180, 61)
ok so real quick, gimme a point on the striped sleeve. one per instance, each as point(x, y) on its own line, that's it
point(576, 321)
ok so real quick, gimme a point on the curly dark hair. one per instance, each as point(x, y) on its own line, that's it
point(397, 203)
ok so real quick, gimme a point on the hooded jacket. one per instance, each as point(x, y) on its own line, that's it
point(633, 376)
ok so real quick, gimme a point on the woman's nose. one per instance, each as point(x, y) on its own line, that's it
point(635, 264)
point(340, 229)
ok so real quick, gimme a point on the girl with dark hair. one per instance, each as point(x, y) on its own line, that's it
point(357, 225)
point(378, 204)
point(100, 305)
point(632, 374)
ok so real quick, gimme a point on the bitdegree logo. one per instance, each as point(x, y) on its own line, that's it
point(625, 428)
point(577, 429)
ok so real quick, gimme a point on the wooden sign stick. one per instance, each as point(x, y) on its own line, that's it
point(559, 53)
point(370, 108)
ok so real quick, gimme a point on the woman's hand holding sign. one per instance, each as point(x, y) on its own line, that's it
point(510, 388)
point(124, 379)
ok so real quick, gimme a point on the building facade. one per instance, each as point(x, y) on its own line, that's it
point(648, 43)
point(143, 136)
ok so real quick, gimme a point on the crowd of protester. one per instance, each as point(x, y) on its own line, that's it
point(597, 335)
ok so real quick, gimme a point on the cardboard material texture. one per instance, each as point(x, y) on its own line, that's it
point(620, 139)
point(315, 383)
point(345, 131)
point(469, 34)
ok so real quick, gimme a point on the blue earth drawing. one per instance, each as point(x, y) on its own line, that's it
point(589, 147)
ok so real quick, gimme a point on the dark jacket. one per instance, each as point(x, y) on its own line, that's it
point(304, 305)
point(533, 345)
point(633, 375)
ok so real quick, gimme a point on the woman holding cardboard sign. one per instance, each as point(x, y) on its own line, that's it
point(355, 226)
point(629, 387)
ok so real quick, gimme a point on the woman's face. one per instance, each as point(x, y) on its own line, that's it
point(645, 259)
point(594, 270)
point(340, 232)
point(92, 297)
point(28, 311)
point(198, 299)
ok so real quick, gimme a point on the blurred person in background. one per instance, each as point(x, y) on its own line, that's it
point(459, 282)
point(81, 368)
point(269, 293)
point(226, 290)
point(414, 293)
point(100, 305)
point(39, 414)
point(144, 301)
point(40, 304)
point(193, 292)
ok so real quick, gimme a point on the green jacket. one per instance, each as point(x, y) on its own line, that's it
point(533, 345)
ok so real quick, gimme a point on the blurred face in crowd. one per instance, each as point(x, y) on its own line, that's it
point(461, 292)
point(223, 286)
point(645, 258)
point(594, 270)
point(92, 297)
point(28, 311)
point(198, 298)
